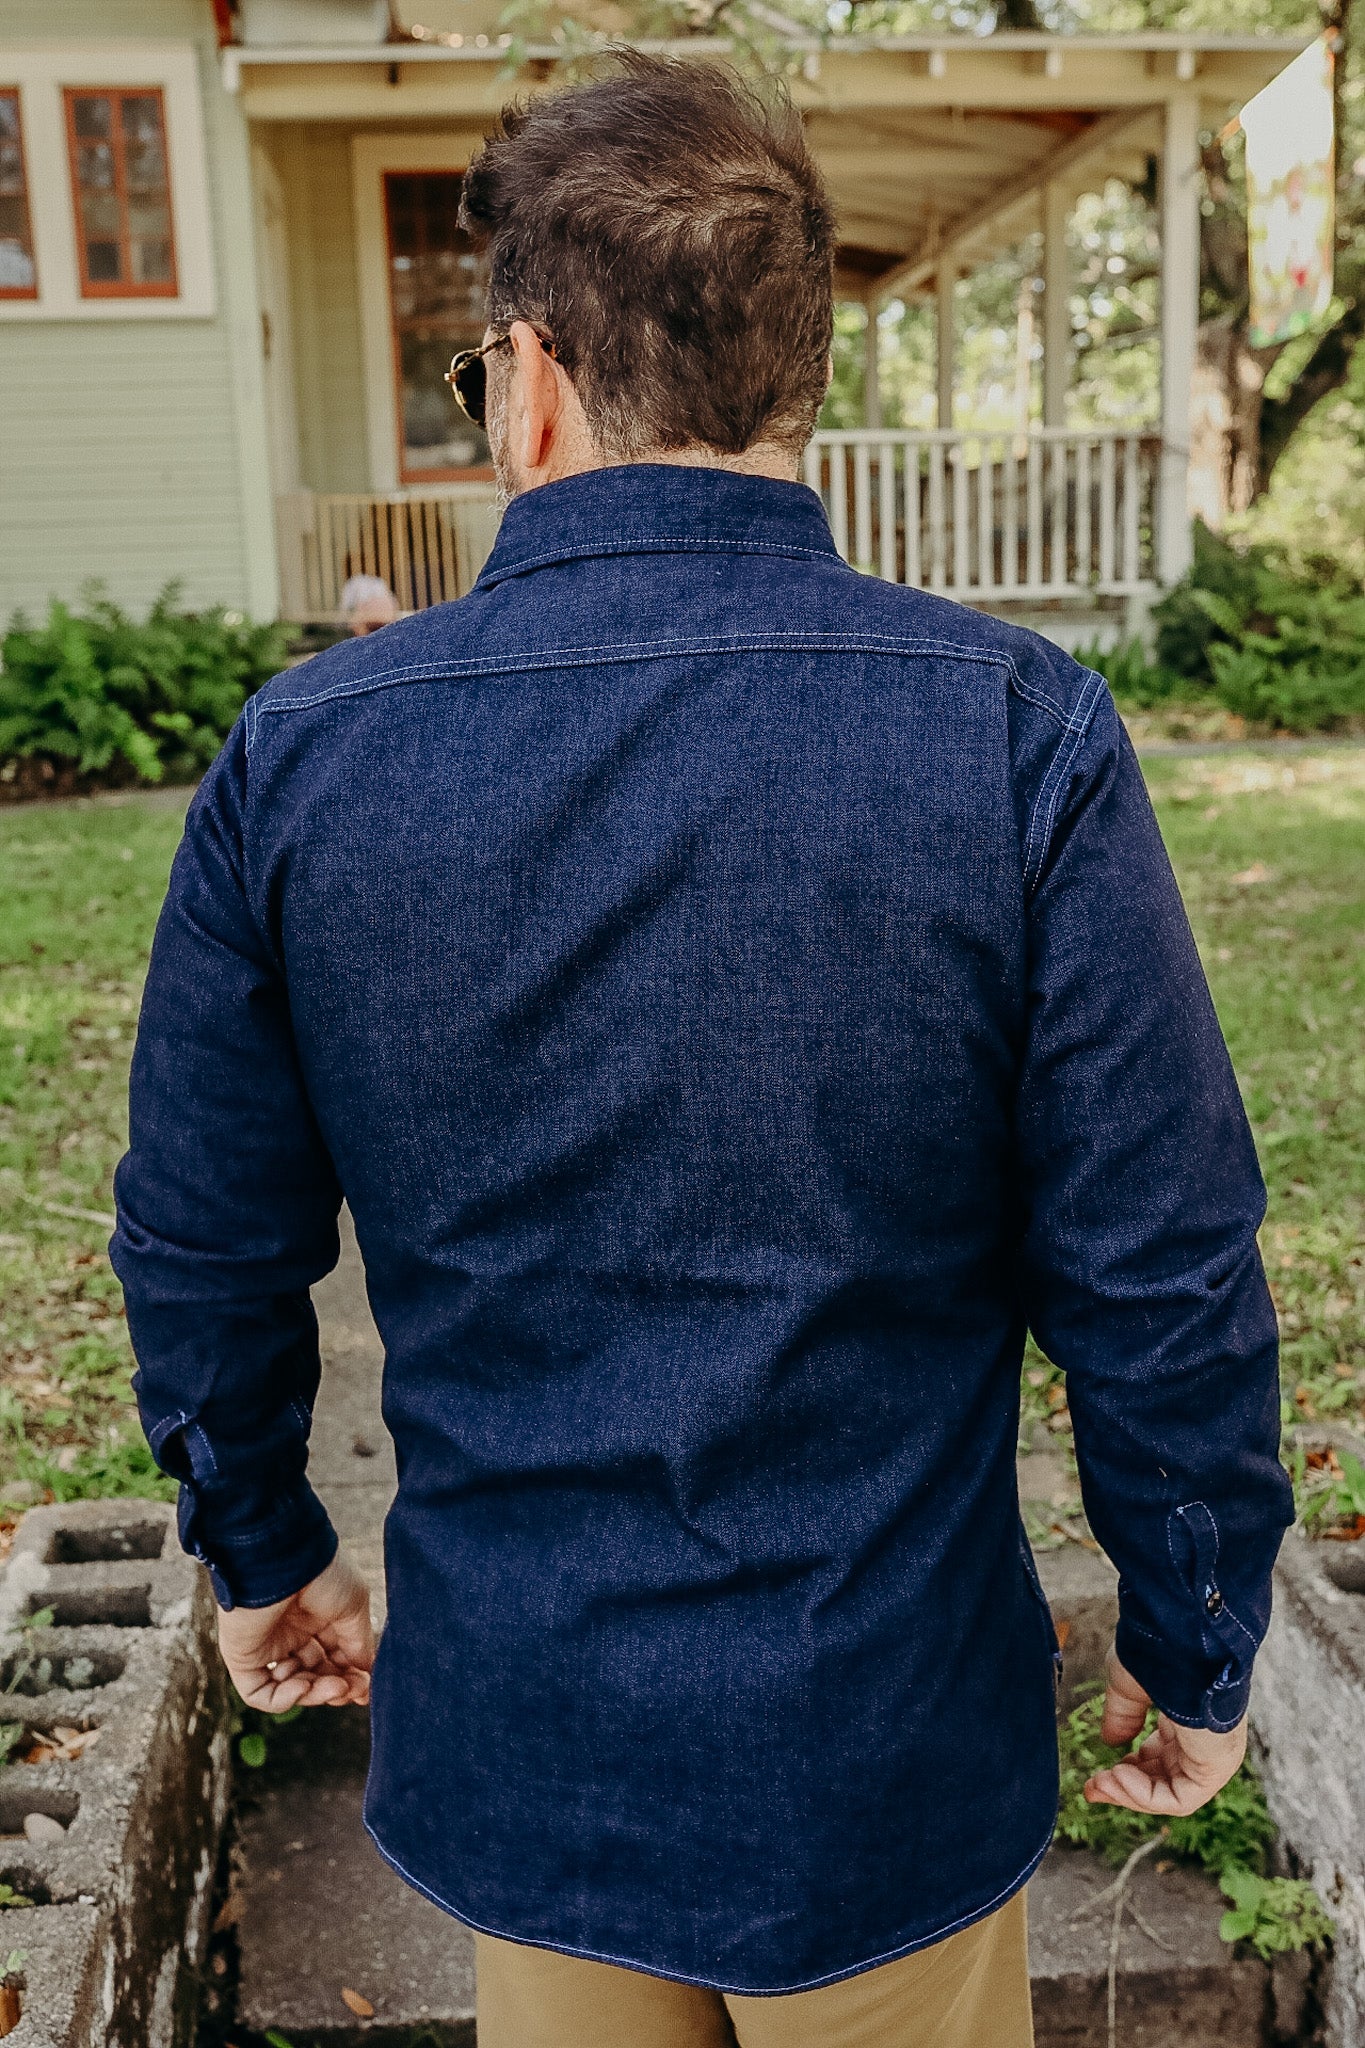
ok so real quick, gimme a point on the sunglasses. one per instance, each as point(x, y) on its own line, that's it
point(468, 376)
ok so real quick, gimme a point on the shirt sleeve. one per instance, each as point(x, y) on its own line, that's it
point(227, 1213)
point(1143, 1277)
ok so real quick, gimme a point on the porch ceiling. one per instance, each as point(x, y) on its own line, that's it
point(936, 148)
point(914, 186)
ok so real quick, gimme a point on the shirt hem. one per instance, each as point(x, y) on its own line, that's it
point(588, 1955)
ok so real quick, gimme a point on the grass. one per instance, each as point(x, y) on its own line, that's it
point(1269, 845)
point(80, 885)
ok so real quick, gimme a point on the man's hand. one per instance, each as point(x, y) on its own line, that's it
point(1176, 1771)
point(313, 1650)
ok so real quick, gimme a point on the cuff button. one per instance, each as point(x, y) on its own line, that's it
point(1214, 1603)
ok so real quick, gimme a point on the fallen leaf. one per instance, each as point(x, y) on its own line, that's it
point(61, 1745)
point(1249, 877)
point(361, 2007)
point(1063, 1631)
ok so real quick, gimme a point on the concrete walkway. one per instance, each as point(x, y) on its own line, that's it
point(321, 1913)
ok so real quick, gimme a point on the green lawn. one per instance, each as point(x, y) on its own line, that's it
point(79, 890)
point(1269, 845)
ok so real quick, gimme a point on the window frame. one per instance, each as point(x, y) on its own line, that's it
point(125, 287)
point(9, 293)
point(372, 154)
point(416, 479)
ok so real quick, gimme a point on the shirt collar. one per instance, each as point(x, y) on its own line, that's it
point(657, 508)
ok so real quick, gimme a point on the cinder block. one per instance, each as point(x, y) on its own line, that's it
point(1308, 1719)
point(59, 1966)
point(119, 1825)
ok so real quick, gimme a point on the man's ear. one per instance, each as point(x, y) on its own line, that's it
point(542, 397)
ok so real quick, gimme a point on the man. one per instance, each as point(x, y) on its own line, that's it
point(735, 997)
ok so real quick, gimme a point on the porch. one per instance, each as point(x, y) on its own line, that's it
point(940, 152)
point(1044, 517)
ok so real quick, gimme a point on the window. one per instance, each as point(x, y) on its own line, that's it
point(436, 303)
point(18, 271)
point(123, 195)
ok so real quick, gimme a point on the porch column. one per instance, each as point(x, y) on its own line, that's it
point(947, 340)
point(1056, 306)
point(872, 387)
point(1179, 328)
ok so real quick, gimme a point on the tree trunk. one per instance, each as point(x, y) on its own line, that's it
point(1225, 421)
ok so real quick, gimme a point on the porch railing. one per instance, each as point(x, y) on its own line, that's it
point(986, 518)
point(427, 546)
point(994, 517)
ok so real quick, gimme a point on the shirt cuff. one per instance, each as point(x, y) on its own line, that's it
point(1190, 1697)
point(268, 1561)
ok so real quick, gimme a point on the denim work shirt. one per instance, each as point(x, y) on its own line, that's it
point(736, 997)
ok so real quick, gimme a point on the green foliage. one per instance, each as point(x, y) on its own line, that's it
point(1233, 1831)
point(1274, 1914)
point(10, 1897)
point(117, 1464)
point(1339, 1495)
point(253, 1730)
point(1229, 1838)
point(95, 687)
point(1283, 652)
point(1138, 682)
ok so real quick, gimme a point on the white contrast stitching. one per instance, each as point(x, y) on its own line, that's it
point(1056, 776)
point(731, 1990)
point(658, 650)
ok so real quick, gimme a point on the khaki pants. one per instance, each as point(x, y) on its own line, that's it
point(970, 1991)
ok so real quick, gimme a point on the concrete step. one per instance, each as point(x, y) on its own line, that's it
point(320, 1914)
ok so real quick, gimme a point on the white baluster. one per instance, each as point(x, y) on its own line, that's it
point(1108, 493)
point(886, 508)
point(1083, 535)
point(838, 495)
point(1131, 507)
point(962, 519)
point(985, 517)
point(938, 537)
point(862, 505)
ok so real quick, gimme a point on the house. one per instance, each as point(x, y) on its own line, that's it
point(230, 280)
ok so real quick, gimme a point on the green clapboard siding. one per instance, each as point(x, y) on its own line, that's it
point(314, 165)
point(119, 454)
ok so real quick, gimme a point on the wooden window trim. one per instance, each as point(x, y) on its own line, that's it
point(124, 287)
point(22, 291)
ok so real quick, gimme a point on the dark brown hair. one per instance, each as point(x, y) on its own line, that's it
point(667, 226)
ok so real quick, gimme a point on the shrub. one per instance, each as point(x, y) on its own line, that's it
point(1279, 651)
point(1138, 682)
point(99, 690)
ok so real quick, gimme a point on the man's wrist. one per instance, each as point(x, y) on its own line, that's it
point(264, 1562)
point(1191, 1699)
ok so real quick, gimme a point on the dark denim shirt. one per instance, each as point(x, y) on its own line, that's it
point(736, 997)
